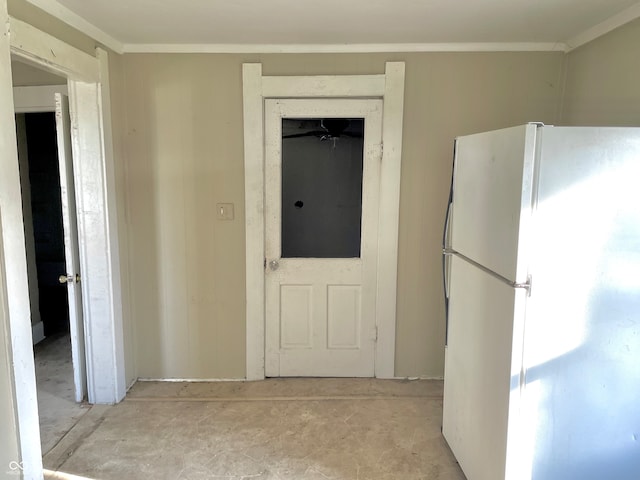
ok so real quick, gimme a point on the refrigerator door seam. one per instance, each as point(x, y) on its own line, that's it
point(526, 285)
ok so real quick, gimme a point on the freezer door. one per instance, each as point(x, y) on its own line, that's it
point(482, 371)
point(492, 199)
point(582, 347)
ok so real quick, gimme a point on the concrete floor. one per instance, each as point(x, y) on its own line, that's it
point(57, 408)
point(286, 429)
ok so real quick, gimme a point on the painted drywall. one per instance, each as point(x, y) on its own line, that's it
point(602, 80)
point(184, 155)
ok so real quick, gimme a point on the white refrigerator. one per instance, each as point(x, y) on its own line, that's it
point(542, 279)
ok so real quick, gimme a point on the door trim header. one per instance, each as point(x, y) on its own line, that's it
point(390, 88)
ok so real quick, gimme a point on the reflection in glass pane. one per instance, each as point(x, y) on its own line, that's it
point(322, 187)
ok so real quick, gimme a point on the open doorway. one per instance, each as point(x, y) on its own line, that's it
point(41, 141)
point(87, 78)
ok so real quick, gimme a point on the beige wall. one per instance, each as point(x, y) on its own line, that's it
point(603, 80)
point(184, 149)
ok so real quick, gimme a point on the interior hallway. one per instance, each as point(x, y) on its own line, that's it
point(283, 429)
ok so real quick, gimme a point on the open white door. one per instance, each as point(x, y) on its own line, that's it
point(321, 217)
point(71, 249)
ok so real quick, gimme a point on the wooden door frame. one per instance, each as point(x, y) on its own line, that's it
point(88, 84)
point(389, 87)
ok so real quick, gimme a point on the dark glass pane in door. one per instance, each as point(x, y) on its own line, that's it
point(322, 187)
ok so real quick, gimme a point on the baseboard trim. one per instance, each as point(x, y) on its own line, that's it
point(37, 332)
point(142, 379)
point(315, 398)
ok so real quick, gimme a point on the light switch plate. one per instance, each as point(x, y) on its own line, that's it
point(225, 211)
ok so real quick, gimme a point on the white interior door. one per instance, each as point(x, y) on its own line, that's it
point(71, 248)
point(321, 230)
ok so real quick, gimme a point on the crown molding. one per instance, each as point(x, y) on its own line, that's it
point(605, 27)
point(52, 7)
point(345, 48)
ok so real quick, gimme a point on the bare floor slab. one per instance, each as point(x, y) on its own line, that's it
point(275, 429)
point(57, 408)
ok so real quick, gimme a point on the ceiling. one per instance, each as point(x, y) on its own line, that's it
point(139, 25)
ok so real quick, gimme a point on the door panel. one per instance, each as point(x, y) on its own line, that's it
point(72, 252)
point(320, 294)
point(344, 317)
point(296, 314)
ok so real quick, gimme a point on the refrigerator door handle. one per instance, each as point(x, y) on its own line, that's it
point(526, 285)
point(446, 266)
point(447, 218)
point(445, 246)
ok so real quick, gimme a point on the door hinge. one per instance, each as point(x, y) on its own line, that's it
point(265, 263)
point(374, 333)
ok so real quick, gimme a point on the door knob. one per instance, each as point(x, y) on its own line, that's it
point(274, 264)
point(69, 278)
